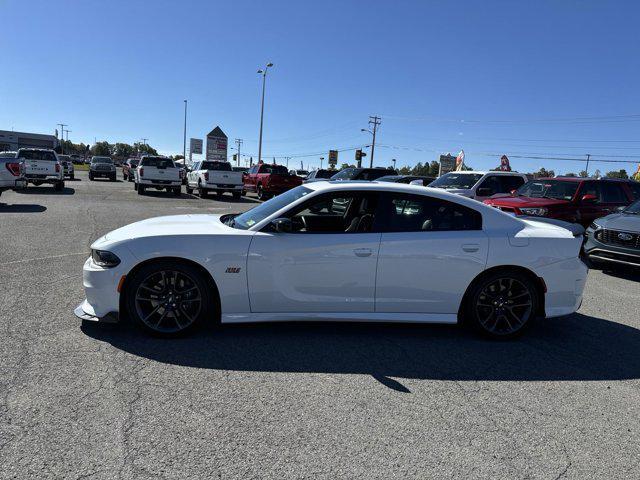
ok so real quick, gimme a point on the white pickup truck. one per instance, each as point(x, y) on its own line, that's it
point(10, 172)
point(159, 173)
point(42, 166)
point(214, 176)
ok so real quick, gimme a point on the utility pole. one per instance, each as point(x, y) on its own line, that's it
point(238, 144)
point(321, 160)
point(62, 125)
point(264, 81)
point(375, 121)
point(184, 139)
point(144, 140)
point(587, 168)
point(67, 134)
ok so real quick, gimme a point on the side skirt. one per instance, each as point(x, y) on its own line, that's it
point(448, 318)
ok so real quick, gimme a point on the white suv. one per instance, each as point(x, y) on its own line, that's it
point(480, 185)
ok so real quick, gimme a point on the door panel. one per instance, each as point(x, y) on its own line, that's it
point(308, 272)
point(428, 272)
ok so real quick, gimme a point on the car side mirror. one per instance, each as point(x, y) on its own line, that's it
point(588, 198)
point(513, 192)
point(282, 225)
point(484, 192)
point(621, 208)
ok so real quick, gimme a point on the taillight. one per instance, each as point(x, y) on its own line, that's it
point(14, 168)
point(141, 171)
point(206, 176)
point(57, 168)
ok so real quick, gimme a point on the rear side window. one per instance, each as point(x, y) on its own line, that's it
point(157, 162)
point(635, 190)
point(373, 174)
point(613, 193)
point(417, 213)
point(274, 169)
point(222, 166)
point(37, 155)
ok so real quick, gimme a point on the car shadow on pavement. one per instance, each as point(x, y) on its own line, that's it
point(162, 193)
point(21, 208)
point(619, 271)
point(577, 347)
point(46, 190)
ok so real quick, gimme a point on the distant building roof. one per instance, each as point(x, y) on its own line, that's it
point(217, 132)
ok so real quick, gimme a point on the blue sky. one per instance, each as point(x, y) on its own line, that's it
point(529, 79)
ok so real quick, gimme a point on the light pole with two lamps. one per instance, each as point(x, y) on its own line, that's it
point(263, 72)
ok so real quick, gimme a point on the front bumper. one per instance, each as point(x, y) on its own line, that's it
point(602, 252)
point(105, 174)
point(102, 301)
point(86, 312)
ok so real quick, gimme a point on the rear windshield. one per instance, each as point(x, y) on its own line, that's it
point(323, 174)
point(37, 155)
point(277, 169)
point(7, 154)
point(157, 162)
point(101, 160)
point(223, 166)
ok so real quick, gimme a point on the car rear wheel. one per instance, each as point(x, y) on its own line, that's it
point(260, 193)
point(236, 196)
point(202, 192)
point(168, 298)
point(140, 189)
point(502, 304)
point(58, 186)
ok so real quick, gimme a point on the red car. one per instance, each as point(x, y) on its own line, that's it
point(572, 199)
point(269, 180)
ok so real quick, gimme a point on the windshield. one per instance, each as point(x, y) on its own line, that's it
point(101, 160)
point(223, 166)
point(134, 163)
point(37, 155)
point(264, 210)
point(346, 174)
point(556, 189)
point(456, 180)
point(633, 208)
point(323, 174)
point(302, 173)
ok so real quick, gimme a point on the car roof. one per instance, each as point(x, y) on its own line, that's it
point(585, 179)
point(484, 172)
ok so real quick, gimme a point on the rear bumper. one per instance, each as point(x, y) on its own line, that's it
point(565, 283)
point(224, 188)
point(43, 178)
point(160, 183)
point(96, 173)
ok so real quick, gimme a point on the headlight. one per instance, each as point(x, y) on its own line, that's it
point(594, 226)
point(538, 212)
point(105, 259)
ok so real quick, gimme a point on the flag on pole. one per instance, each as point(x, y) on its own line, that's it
point(636, 176)
point(504, 164)
point(460, 161)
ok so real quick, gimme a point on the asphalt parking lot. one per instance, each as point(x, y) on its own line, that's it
point(291, 400)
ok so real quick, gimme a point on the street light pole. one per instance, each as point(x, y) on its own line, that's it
point(394, 163)
point(264, 81)
point(238, 143)
point(321, 160)
point(184, 139)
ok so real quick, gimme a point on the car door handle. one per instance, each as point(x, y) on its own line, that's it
point(362, 252)
point(470, 247)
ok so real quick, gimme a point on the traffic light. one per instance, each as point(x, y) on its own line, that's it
point(235, 157)
point(360, 154)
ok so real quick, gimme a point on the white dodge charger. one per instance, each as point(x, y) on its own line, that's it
point(348, 251)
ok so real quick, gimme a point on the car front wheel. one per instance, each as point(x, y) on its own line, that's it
point(502, 304)
point(168, 298)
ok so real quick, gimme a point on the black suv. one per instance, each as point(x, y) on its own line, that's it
point(353, 173)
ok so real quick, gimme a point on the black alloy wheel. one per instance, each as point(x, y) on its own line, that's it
point(503, 304)
point(168, 299)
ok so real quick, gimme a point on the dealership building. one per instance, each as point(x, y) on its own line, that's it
point(12, 141)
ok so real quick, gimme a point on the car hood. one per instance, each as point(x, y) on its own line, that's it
point(620, 221)
point(525, 202)
point(465, 192)
point(172, 225)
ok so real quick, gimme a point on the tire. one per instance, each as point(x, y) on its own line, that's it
point(236, 196)
point(189, 191)
point(124, 177)
point(72, 177)
point(202, 192)
point(168, 298)
point(491, 306)
point(177, 191)
point(112, 178)
point(90, 177)
point(140, 189)
point(135, 187)
point(58, 186)
point(244, 193)
point(260, 193)
point(37, 183)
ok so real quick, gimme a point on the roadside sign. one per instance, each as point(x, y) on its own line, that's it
point(447, 164)
point(217, 145)
point(195, 146)
point(333, 157)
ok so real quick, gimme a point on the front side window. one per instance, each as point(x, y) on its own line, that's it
point(338, 212)
point(418, 213)
point(592, 188)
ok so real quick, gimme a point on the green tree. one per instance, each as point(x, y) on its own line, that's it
point(570, 174)
point(346, 165)
point(123, 150)
point(143, 148)
point(622, 173)
point(543, 172)
point(583, 174)
point(101, 149)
